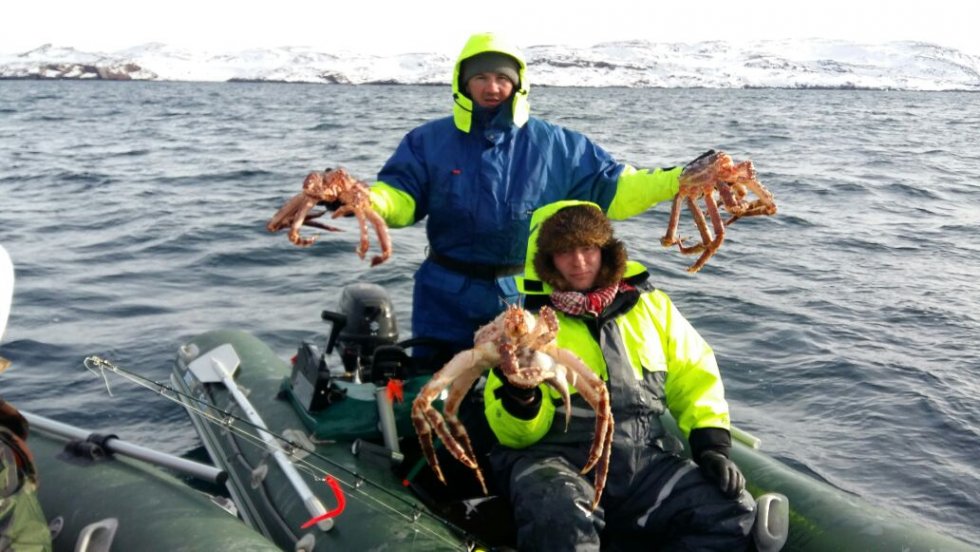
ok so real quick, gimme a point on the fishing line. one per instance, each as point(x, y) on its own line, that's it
point(232, 422)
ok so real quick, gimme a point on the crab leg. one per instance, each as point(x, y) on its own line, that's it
point(292, 215)
point(299, 216)
point(711, 245)
point(765, 205)
point(284, 216)
point(363, 245)
point(457, 392)
point(732, 204)
point(701, 223)
point(558, 380)
point(594, 391)
point(670, 238)
point(458, 375)
point(320, 225)
point(384, 239)
point(602, 467)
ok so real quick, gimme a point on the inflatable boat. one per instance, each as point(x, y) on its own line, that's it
point(326, 436)
point(100, 494)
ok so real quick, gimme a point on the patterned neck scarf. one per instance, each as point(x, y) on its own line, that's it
point(593, 302)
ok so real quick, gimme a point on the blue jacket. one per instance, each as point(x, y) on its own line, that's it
point(478, 189)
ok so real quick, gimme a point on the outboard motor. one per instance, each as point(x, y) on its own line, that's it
point(365, 335)
point(366, 321)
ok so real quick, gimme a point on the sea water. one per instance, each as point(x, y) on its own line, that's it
point(846, 326)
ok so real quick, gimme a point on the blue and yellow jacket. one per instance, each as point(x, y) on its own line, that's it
point(478, 175)
point(650, 356)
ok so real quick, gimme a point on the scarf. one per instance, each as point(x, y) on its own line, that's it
point(593, 302)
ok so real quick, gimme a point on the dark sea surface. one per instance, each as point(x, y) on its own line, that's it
point(846, 327)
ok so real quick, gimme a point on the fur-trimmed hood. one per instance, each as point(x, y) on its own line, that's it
point(564, 225)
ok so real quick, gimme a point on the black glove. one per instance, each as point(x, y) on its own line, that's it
point(700, 158)
point(718, 468)
point(521, 403)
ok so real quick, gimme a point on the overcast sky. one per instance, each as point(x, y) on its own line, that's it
point(397, 26)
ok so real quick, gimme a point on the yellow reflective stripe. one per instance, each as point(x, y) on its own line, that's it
point(395, 206)
point(638, 190)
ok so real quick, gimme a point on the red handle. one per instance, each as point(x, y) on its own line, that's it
point(341, 503)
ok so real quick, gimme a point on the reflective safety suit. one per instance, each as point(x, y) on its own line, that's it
point(652, 360)
point(476, 177)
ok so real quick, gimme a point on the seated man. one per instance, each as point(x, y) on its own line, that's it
point(651, 359)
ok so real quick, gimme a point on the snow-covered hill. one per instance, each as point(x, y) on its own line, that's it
point(804, 63)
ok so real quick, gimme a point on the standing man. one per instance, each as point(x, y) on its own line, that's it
point(477, 176)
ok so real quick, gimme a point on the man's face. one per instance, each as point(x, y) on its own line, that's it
point(579, 266)
point(489, 89)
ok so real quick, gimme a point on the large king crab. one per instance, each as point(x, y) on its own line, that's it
point(332, 185)
point(524, 347)
point(701, 179)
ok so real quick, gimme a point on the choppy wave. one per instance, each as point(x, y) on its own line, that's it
point(845, 326)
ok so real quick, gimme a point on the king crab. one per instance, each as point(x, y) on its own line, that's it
point(524, 347)
point(330, 186)
point(710, 173)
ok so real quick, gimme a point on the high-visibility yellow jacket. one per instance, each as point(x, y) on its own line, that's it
point(649, 355)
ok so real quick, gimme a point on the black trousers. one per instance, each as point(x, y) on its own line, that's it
point(654, 500)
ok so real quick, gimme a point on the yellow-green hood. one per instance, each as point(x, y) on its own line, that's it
point(463, 105)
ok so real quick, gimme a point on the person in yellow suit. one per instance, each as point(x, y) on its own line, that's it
point(652, 360)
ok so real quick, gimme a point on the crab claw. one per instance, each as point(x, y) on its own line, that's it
point(334, 186)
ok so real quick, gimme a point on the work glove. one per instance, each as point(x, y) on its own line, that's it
point(718, 468)
point(700, 158)
point(522, 403)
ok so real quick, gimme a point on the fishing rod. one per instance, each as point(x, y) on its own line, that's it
point(258, 435)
